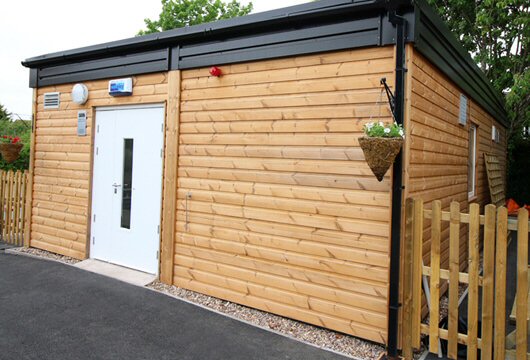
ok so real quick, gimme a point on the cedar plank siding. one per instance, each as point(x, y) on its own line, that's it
point(62, 163)
point(285, 215)
point(438, 148)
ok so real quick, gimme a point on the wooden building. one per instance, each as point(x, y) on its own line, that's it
point(251, 186)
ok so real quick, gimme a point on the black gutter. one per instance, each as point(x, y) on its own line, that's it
point(397, 190)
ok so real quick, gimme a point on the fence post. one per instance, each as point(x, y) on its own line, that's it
point(500, 284)
point(472, 308)
point(417, 270)
point(16, 231)
point(434, 317)
point(23, 206)
point(454, 270)
point(521, 310)
point(487, 282)
point(2, 202)
point(407, 281)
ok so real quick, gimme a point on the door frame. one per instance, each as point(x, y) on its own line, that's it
point(93, 125)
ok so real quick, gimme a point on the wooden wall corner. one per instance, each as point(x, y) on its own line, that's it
point(169, 201)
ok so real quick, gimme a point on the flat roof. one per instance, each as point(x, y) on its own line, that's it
point(320, 26)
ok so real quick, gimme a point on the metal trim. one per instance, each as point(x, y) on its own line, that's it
point(130, 107)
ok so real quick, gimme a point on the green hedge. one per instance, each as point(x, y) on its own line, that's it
point(22, 129)
point(519, 173)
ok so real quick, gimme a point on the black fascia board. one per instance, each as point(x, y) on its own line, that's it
point(304, 29)
point(232, 37)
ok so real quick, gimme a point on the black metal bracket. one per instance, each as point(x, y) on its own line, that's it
point(390, 95)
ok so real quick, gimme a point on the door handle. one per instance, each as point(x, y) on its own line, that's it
point(116, 186)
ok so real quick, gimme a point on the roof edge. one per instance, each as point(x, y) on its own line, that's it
point(267, 18)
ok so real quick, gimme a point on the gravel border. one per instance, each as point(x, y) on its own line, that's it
point(43, 254)
point(313, 335)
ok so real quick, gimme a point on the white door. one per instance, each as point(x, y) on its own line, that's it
point(127, 186)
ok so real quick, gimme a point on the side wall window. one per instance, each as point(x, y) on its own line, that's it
point(472, 162)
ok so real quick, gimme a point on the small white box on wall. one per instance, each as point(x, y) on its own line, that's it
point(462, 116)
point(495, 134)
point(121, 87)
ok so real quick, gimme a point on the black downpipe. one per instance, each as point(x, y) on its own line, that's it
point(397, 188)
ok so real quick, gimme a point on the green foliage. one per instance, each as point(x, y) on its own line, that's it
point(21, 128)
point(497, 33)
point(181, 13)
point(4, 114)
point(519, 178)
point(381, 129)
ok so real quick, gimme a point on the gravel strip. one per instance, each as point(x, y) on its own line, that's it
point(326, 339)
point(44, 254)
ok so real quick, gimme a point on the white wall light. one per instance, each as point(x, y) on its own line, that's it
point(79, 94)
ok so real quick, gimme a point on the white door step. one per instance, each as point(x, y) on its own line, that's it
point(121, 273)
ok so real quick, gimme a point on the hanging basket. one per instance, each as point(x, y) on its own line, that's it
point(380, 153)
point(10, 152)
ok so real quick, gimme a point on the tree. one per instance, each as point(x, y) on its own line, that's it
point(497, 33)
point(4, 114)
point(181, 13)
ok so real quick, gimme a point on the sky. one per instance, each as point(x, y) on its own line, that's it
point(34, 27)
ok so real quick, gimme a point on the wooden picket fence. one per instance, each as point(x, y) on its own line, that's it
point(489, 232)
point(13, 186)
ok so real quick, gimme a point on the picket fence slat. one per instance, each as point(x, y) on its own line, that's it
point(500, 284)
point(407, 281)
point(13, 196)
point(23, 206)
point(488, 233)
point(487, 283)
point(17, 208)
point(474, 259)
point(3, 179)
point(417, 271)
point(454, 270)
point(434, 317)
point(522, 285)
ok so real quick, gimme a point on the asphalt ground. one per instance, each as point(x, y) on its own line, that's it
point(49, 310)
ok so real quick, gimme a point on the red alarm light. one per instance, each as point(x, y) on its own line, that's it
point(215, 71)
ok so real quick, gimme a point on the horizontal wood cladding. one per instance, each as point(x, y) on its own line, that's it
point(438, 148)
point(62, 163)
point(276, 208)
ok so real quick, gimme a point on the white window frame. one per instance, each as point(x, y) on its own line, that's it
point(473, 161)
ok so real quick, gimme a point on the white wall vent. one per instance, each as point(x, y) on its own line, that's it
point(462, 114)
point(495, 134)
point(52, 100)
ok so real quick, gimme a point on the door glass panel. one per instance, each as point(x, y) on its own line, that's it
point(126, 196)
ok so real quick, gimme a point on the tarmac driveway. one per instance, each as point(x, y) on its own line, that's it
point(53, 311)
